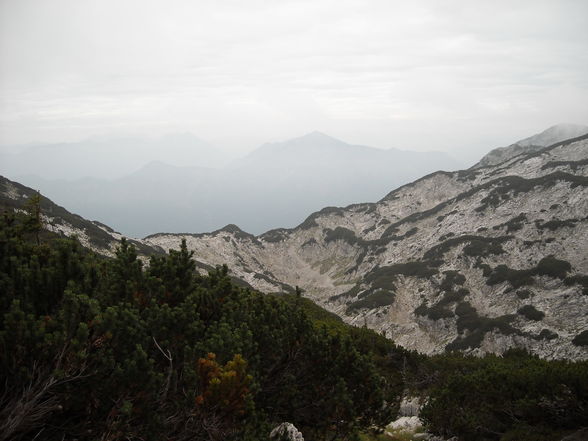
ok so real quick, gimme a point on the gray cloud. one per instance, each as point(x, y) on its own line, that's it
point(459, 76)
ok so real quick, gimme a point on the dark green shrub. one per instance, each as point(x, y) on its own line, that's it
point(384, 277)
point(437, 312)
point(554, 224)
point(547, 334)
point(552, 267)
point(477, 326)
point(581, 339)
point(372, 300)
point(523, 294)
point(340, 233)
point(451, 278)
point(516, 278)
point(477, 246)
point(422, 309)
point(506, 398)
point(514, 224)
point(578, 279)
point(531, 313)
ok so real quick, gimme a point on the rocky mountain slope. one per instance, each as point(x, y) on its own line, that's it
point(478, 260)
point(552, 135)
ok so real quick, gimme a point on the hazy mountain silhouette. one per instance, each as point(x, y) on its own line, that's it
point(109, 157)
point(278, 184)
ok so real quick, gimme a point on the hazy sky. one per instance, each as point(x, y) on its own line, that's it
point(459, 76)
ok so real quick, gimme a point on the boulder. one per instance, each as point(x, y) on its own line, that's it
point(286, 432)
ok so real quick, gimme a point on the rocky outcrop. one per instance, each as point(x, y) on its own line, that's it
point(478, 260)
point(286, 432)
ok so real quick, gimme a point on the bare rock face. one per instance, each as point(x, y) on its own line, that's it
point(286, 432)
point(480, 260)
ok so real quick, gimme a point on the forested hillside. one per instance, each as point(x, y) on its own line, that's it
point(96, 348)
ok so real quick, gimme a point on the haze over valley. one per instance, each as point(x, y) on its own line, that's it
point(276, 185)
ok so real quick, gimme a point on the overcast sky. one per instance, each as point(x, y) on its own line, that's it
point(458, 76)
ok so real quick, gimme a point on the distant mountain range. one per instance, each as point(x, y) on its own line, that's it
point(278, 184)
point(108, 157)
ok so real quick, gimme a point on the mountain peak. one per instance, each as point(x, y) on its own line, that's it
point(311, 140)
point(318, 136)
point(552, 135)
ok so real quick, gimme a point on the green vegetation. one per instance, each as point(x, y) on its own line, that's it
point(476, 327)
point(274, 236)
point(503, 188)
point(341, 233)
point(98, 348)
point(371, 300)
point(581, 339)
point(574, 165)
point(531, 313)
point(514, 397)
point(552, 267)
point(390, 235)
point(451, 279)
point(578, 279)
point(524, 294)
point(283, 286)
point(547, 334)
point(554, 224)
point(440, 310)
point(384, 277)
point(435, 312)
point(477, 246)
point(548, 266)
point(515, 224)
point(516, 278)
point(111, 349)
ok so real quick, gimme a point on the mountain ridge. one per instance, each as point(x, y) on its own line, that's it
point(550, 136)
